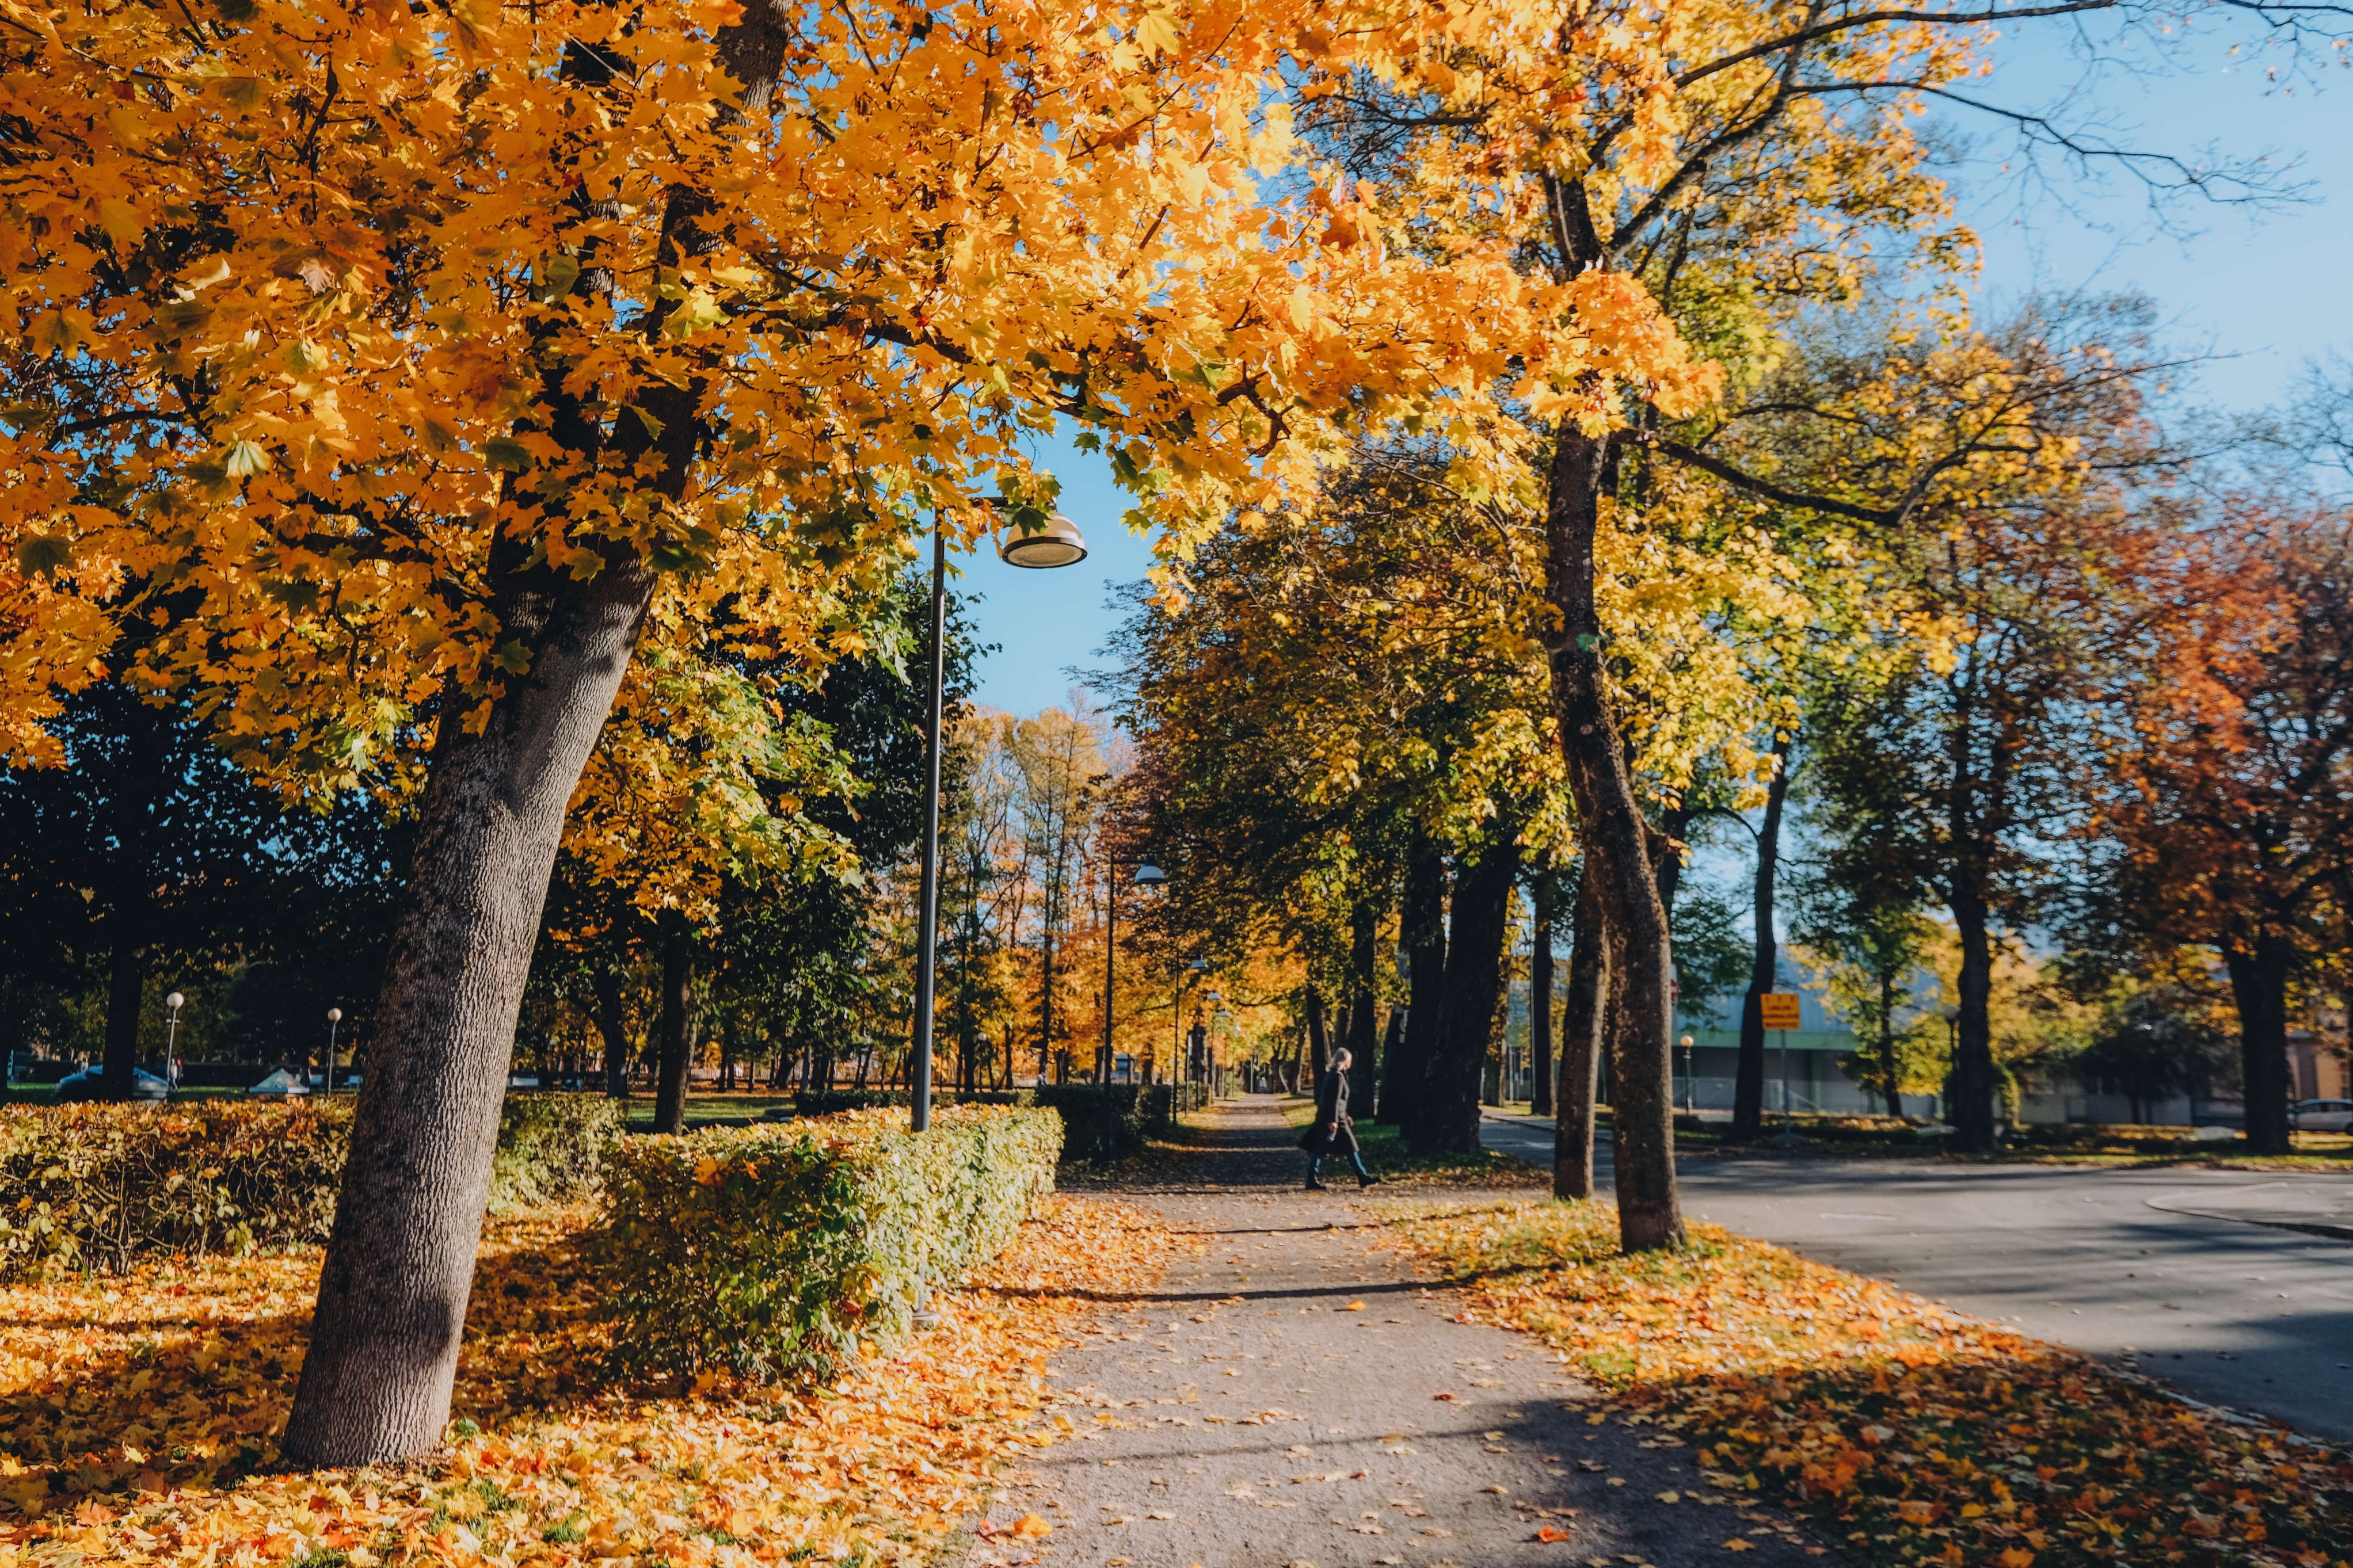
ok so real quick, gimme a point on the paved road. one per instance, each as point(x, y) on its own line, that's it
point(2163, 1270)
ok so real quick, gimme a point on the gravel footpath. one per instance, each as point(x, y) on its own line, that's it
point(1297, 1396)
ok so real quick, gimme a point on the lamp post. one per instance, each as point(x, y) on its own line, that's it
point(334, 1021)
point(171, 1041)
point(1177, 1056)
point(1691, 1091)
point(1147, 875)
point(1056, 542)
point(1952, 1016)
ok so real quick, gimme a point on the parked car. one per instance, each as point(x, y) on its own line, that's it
point(2322, 1115)
point(90, 1083)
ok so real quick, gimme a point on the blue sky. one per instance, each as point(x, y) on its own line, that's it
point(2265, 288)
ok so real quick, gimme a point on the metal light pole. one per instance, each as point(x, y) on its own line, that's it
point(1057, 544)
point(172, 1042)
point(1691, 1090)
point(334, 1021)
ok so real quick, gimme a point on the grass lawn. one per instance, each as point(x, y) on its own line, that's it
point(1904, 1433)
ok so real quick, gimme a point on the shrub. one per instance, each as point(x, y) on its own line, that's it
point(1104, 1123)
point(95, 1186)
point(552, 1148)
point(773, 1251)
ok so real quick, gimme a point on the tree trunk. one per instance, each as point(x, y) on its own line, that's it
point(2259, 974)
point(1476, 978)
point(1319, 1036)
point(1580, 1046)
point(126, 981)
point(1540, 1002)
point(400, 1262)
point(1361, 1038)
point(1971, 1110)
point(1891, 1078)
point(1617, 852)
point(607, 981)
point(1749, 1083)
point(1423, 931)
point(677, 1040)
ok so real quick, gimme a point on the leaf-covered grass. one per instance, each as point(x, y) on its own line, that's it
point(140, 1416)
point(1902, 1431)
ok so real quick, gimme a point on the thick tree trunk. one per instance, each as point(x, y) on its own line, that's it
point(1617, 841)
point(126, 980)
point(1476, 983)
point(677, 1039)
point(400, 1262)
point(1749, 1082)
point(1971, 1112)
point(1581, 1047)
point(2259, 975)
point(1540, 1002)
point(1423, 932)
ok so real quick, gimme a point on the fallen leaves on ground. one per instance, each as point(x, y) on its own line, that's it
point(139, 1418)
point(1904, 1431)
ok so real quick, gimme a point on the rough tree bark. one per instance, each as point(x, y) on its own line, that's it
point(1748, 1081)
point(1540, 963)
point(1580, 1046)
point(2259, 977)
point(1475, 981)
point(606, 979)
point(399, 1263)
point(1423, 932)
point(1617, 839)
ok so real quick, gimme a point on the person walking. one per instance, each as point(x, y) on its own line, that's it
point(1331, 1131)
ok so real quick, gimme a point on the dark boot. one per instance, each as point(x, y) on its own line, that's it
point(1315, 1185)
point(1367, 1180)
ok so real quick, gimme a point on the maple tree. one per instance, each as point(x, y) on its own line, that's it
point(434, 360)
point(2227, 825)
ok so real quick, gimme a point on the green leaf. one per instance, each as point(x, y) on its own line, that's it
point(508, 454)
point(244, 459)
point(558, 273)
point(38, 555)
point(512, 657)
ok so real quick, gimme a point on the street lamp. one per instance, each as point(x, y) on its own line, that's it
point(1691, 1094)
point(171, 1041)
point(335, 1020)
point(1056, 542)
point(1147, 875)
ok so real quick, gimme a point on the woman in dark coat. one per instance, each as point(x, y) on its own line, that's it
point(1331, 1131)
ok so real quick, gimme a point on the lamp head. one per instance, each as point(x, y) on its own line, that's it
point(1150, 876)
point(174, 1001)
point(334, 1014)
point(1056, 542)
point(1687, 1042)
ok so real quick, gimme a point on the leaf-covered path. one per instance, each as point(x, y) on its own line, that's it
point(1294, 1393)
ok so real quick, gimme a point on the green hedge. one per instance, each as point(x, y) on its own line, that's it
point(99, 1185)
point(771, 1252)
point(1104, 1123)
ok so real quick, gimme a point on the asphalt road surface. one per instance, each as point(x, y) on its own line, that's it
point(2188, 1275)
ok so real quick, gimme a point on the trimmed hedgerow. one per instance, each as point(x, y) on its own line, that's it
point(101, 1185)
point(772, 1252)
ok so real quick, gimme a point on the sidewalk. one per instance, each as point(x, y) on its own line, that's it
point(1295, 1395)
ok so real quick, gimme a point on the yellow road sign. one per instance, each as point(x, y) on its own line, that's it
point(1780, 1008)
